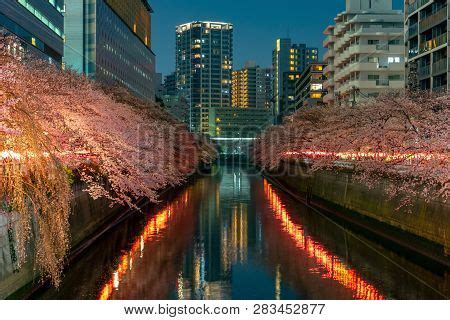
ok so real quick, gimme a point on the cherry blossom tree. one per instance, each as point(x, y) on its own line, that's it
point(401, 136)
point(56, 126)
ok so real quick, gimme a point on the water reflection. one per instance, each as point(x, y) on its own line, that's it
point(137, 256)
point(327, 265)
point(233, 236)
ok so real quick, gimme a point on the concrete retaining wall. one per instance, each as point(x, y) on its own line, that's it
point(429, 220)
point(88, 215)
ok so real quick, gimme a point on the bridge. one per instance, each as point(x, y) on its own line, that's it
point(232, 146)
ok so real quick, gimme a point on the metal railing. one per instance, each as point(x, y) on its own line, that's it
point(433, 43)
point(434, 19)
point(413, 30)
point(416, 5)
point(424, 71)
point(440, 67)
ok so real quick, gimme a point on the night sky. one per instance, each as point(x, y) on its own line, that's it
point(257, 23)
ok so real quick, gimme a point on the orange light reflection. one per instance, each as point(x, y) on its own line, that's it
point(155, 225)
point(335, 269)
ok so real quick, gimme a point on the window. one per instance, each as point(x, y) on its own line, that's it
point(394, 42)
point(395, 77)
point(394, 60)
point(373, 77)
point(371, 42)
point(39, 16)
point(316, 87)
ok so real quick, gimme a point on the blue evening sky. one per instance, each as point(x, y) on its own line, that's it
point(257, 23)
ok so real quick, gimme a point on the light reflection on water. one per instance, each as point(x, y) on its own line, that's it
point(234, 236)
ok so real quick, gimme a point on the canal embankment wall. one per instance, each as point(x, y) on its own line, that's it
point(88, 217)
point(423, 228)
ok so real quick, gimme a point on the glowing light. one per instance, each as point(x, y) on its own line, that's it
point(10, 155)
point(155, 225)
point(335, 269)
point(382, 156)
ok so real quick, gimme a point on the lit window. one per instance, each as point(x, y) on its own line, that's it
point(316, 87)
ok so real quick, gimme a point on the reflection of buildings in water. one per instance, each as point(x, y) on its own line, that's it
point(222, 238)
point(198, 287)
point(146, 270)
point(319, 260)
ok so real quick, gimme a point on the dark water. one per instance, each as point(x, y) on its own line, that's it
point(235, 236)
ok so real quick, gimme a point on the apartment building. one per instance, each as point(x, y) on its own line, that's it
point(288, 61)
point(252, 87)
point(427, 49)
point(365, 52)
point(204, 63)
point(309, 90)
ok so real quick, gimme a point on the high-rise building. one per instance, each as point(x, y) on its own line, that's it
point(289, 61)
point(158, 85)
point(365, 52)
point(204, 62)
point(252, 87)
point(170, 84)
point(309, 91)
point(110, 41)
point(427, 48)
point(38, 24)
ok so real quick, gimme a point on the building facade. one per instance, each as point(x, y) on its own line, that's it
point(38, 24)
point(110, 41)
point(170, 84)
point(365, 52)
point(204, 63)
point(288, 61)
point(228, 122)
point(309, 90)
point(427, 50)
point(252, 87)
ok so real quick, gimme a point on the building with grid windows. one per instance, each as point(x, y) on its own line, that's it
point(204, 63)
point(427, 50)
point(365, 52)
point(38, 25)
point(252, 87)
point(309, 90)
point(289, 61)
point(110, 41)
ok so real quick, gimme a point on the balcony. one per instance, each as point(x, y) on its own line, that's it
point(372, 67)
point(328, 83)
point(424, 72)
point(382, 47)
point(328, 69)
point(433, 43)
point(440, 88)
point(417, 5)
point(328, 40)
point(413, 31)
point(376, 30)
point(433, 20)
point(382, 82)
point(328, 55)
point(440, 67)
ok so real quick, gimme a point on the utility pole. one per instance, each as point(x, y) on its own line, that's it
point(354, 92)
